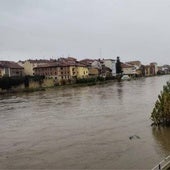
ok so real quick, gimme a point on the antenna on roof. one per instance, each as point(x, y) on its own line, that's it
point(100, 52)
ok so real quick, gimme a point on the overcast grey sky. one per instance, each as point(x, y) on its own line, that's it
point(131, 29)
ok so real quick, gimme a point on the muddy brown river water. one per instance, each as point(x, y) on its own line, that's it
point(83, 127)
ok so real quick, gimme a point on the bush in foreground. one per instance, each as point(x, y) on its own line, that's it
point(161, 112)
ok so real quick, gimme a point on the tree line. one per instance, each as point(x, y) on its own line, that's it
point(6, 83)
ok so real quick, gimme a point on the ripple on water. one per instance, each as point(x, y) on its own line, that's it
point(81, 127)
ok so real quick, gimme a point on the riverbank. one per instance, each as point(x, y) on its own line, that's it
point(30, 90)
point(38, 87)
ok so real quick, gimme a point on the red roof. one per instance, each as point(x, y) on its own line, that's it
point(10, 64)
point(39, 61)
point(60, 64)
point(123, 65)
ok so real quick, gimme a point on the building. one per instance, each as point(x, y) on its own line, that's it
point(82, 71)
point(138, 68)
point(110, 63)
point(10, 69)
point(92, 66)
point(128, 69)
point(165, 69)
point(62, 71)
point(106, 67)
point(87, 62)
point(147, 70)
point(97, 64)
point(153, 69)
point(53, 70)
point(134, 63)
point(77, 69)
point(94, 72)
point(29, 65)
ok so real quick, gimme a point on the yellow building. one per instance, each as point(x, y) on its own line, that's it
point(73, 71)
point(82, 71)
point(78, 71)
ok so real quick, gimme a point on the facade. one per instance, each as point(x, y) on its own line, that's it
point(10, 69)
point(82, 71)
point(62, 72)
point(138, 68)
point(135, 63)
point(153, 69)
point(165, 69)
point(147, 70)
point(97, 64)
point(93, 72)
point(78, 71)
point(87, 62)
point(53, 70)
point(106, 68)
point(110, 63)
point(128, 69)
point(29, 65)
point(105, 72)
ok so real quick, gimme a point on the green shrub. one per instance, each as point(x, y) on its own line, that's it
point(161, 112)
point(85, 80)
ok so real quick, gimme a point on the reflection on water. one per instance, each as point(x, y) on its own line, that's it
point(120, 90)
point(83, 127)
point(162, 138)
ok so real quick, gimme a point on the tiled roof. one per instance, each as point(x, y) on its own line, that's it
point(39, 61)
point(87, 62)
point(9, 64)
point(125, 65)
point(61, 64)
point(134, 62)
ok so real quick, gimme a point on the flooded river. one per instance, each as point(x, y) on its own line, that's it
point(83, 128)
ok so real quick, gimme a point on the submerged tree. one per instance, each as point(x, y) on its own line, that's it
point(161, 112)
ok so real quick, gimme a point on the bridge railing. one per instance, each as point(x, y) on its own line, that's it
point(163, 165)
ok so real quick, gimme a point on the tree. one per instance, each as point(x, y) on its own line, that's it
point(6, 83)
point(118, 66)
point(161, 112)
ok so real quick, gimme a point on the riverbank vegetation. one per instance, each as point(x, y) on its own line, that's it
point(161, 111)
point(19, 84)
point(7, 83)
point(93, 80)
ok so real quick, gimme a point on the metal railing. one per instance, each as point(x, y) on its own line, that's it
point(163, 165)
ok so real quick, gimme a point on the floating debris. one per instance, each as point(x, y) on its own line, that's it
point(134, 137)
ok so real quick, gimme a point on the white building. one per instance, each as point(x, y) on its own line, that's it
point(110, 63)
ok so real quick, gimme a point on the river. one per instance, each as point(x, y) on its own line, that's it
point(83, 127)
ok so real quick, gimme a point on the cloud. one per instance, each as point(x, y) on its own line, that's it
point(131, 29)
